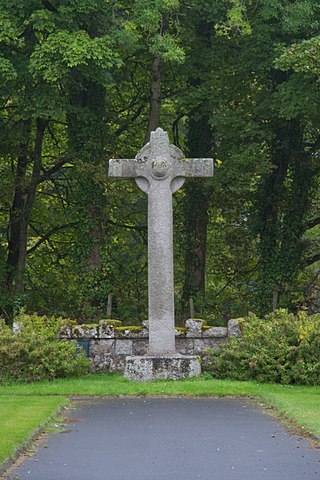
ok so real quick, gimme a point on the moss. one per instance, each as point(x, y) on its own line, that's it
point(68, 323)
point(88, 326)
point(111, 321)
point(207, 327)
point(181, 329)
point(76, 332)
point(131, 328)
point(204, 322)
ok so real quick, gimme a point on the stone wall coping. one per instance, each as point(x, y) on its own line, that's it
point(107, 332)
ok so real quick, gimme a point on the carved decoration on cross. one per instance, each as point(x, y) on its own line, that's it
point(158, 161)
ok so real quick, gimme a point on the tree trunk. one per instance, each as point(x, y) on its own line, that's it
point(155, 96)
point(269, 207)
point(197, 193)
point(96, 237)
point(23, 200)
point(196, 217)
point(86, 136)
point(86, 130)
point(283, 208)
point(196, 224)
point(155, 85)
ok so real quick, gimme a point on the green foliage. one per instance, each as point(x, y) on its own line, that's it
point(236, 20)
point(35, 353)
point(167, 47)
point(46, 326)
point(301, 57)
point(64, 50)
point(281, 348)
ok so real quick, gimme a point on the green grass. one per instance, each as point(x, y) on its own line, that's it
point(20, 417)
point(26, 406)
point(301, 404)
point(114, 384)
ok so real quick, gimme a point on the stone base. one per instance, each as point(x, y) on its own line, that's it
point(161, 367)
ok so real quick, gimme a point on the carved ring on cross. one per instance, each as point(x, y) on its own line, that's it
point(160, 164)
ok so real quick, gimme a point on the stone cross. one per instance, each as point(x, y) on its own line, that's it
point(160, 169)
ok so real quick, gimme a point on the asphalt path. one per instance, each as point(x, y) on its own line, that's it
point(169, 439)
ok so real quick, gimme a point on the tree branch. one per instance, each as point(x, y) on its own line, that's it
point(48, 5)
point(48, 235)
point(314, 259)
point(130, 227)
point(141, 229)
point(313, 223)
point(128, 124)
point(55, 168)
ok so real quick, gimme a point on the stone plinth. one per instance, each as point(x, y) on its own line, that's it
point(161, 367)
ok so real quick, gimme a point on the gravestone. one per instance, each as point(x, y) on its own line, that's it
point(160, 169)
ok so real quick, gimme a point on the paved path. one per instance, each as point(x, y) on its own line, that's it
point(170, 439)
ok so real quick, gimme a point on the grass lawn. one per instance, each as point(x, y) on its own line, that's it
point(24, 407)
point(20, 417)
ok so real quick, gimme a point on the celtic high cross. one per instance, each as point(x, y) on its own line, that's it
point(160, 169)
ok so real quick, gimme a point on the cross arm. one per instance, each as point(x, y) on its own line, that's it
point(195, 167)
point(123, 168)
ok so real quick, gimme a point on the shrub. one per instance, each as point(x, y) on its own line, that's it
point(35, 352)
point(281, 348)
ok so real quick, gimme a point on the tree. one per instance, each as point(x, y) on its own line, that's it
point(42, 45)
point(278, 126)
point(82, 82)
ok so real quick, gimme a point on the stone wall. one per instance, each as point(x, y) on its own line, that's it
point(110, 355)
point(108, 346)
